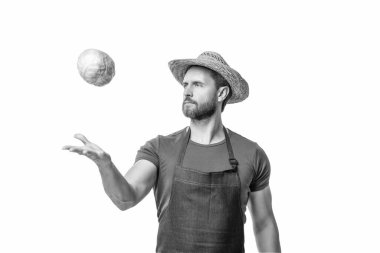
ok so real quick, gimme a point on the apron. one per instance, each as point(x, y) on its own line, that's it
point(204, 213)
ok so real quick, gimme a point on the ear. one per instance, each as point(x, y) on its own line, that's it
point(223, 93)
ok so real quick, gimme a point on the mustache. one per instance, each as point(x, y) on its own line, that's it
point(189, 100)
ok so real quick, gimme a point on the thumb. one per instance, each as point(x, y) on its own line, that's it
point(82, 138)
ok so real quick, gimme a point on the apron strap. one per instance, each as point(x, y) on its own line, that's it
point(234, 163)
point(183, 147)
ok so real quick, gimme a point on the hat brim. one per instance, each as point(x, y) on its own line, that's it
point(239, 86)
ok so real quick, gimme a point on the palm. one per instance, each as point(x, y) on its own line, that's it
point(91, 150)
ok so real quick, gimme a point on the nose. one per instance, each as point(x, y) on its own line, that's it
point(188, 91)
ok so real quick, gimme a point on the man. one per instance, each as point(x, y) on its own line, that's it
point(204, 175)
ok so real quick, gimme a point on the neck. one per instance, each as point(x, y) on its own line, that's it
point(207, 131)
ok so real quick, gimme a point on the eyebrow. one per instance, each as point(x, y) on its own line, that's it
point(198, 82)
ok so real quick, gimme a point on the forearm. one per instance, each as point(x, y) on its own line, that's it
point(116, 186)
point(267, 237)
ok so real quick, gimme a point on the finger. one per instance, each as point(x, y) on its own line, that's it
point(82, 138)
point(70, 148)
point(81, 150)
point(66, 147)
point(76, 149)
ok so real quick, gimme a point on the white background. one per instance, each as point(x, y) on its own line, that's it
point(313, 70)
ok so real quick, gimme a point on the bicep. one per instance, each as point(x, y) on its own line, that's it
point(141, 177)
point(260, 207)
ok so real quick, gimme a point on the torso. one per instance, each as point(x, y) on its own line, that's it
point(209, 158)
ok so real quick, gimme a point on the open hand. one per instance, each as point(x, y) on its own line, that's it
point(91, 150)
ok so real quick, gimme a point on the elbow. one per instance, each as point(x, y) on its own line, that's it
point(258, 227)
point(122, 205)
point(267, 237)
point(265, 225)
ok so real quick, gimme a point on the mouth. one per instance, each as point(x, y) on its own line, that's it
point(188, 102)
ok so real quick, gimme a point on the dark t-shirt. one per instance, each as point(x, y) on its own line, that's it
point(163, 151)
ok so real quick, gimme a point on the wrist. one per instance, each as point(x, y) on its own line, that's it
point(104, 161)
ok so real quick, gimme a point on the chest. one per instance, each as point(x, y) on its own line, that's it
point(212, 158)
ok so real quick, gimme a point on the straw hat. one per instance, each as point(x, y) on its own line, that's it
point(214, 61)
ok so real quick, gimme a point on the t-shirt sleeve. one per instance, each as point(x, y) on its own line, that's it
point(149, 151)
point(262, 171)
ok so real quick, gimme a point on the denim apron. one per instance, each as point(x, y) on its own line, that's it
point(204, 213)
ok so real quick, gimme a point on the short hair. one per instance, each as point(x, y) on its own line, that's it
point(220, 81)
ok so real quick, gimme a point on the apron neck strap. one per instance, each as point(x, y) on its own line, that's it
point(183, 146)
point(234, 163)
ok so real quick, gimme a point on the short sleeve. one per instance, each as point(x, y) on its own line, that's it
point(149, 152)
point(262, 171)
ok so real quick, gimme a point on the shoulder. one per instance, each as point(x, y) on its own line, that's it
point(154, 148)
point(244, 141)
point(173, 137)
point(247, 146)
point(170, 139)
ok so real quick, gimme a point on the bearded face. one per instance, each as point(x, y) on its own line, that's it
point(200, 94)
point(199, 111)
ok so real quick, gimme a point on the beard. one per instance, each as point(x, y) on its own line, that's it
point(197, 111)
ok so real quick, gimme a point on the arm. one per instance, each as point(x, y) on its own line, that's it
point(264, 223)
point(125, 192)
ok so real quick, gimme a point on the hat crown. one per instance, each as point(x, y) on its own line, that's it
point(212, 56)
